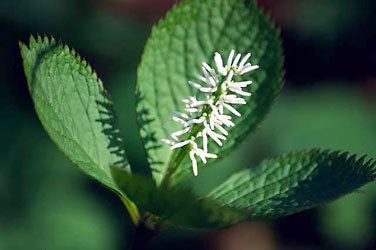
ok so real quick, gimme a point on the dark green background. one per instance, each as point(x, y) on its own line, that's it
point(328, 101)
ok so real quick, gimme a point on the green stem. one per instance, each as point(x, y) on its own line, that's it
point(132, 209)
point(177, 157)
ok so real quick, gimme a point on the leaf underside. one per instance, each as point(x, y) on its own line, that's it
point(293, 182)
point(73, 107)
point(189, 35)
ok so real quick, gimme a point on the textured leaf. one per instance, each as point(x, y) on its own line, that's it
point(294, 182)
point(73, 107)
point(175, 205)
point(187, 36)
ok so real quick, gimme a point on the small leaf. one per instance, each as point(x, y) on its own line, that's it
point(175, 205)
point(190, 34)
point(73, 107)
point(294, 182)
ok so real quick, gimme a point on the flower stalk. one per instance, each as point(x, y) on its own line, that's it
point(210, 117)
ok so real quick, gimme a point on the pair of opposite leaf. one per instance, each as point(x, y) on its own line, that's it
point(78, 115)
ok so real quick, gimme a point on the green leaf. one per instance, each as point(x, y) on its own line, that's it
point(294, 182)
point(73, 107)
point(190, 34)
point(175, 205)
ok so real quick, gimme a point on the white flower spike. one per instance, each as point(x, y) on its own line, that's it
point(206, 119)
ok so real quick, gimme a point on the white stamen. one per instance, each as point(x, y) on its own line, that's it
point(230, 58)
point(226, 120)
point(201, 78)
point(214, 136)
point(198, 121)
point(221, 129)
point(181, 121)
point(212, 81)
point(197, 104)
point(176, 134)
point(181, 144)
point(191, 110)
point(219, 63)
point(201, 154)
point(244, 60)
point(232, 110)
point(208, 68)
point(208, 90)
point(206, 73)
point(230, 76)
point(205, 140)
point(220, 91)
point(233, 99)
point(240, 92)
point(236, 61)
point(211, 156)
point(247, 68)
point(195, 85)
point(239, 84)
point(194, 162)
point(183, 115)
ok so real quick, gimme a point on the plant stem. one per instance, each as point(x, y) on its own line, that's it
point(132, 209)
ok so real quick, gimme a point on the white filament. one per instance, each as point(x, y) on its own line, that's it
point(221, 92)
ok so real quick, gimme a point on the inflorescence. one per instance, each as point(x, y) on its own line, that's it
point(206, 118)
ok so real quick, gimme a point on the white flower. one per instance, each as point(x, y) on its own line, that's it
point(233, 64)
point(206, 119)
point(219, 63)
point(195, 150)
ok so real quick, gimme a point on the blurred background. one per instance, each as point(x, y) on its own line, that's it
point(328, 101)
